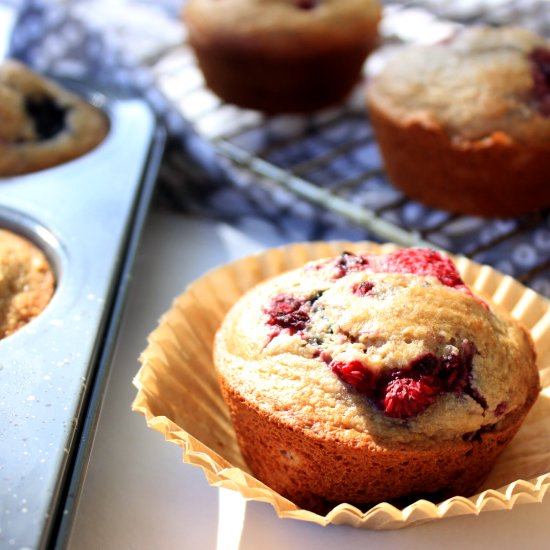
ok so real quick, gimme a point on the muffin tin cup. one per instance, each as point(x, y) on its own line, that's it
point(85, 215)
point(179, 396)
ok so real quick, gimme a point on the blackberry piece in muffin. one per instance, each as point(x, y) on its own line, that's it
point(42, 124)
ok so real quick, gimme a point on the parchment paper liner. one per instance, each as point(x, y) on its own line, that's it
point(179, 395)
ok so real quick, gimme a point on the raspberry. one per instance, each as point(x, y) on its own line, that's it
point(363, 288)
point(286, 312)
point(455, 369)
point(409, 390)
point(355, 374)
point(426, 364)
point(347, 261)
point(422, 261)
point(500, 409)
point(540, 62)
point(406, 397)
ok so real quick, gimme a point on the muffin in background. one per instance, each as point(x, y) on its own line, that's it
point(282, 56)
point(373, 377)
point(464, 125)
point(27, 282)
point(41, 123)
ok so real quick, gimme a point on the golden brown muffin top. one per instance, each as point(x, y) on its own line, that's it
point(479, 82)
point(26, 282)
point(383, 346)
point(42, 124)
point(283, 25)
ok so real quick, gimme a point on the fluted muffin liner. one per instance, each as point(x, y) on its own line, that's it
point(179, 396)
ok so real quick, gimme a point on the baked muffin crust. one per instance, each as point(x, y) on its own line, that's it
point(479, 82)
point(282, 56)
point(403, 318)
point(372, 377)
point(26, 282)
point(43, 125)
point(464, 125)
point(282, 26)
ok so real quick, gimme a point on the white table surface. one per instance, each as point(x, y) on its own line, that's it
point(138, 494)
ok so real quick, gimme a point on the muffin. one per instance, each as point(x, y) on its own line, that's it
point(282, 55)
point(43, 125)
point(26, 282)
point(373, 377)
point(464, 125)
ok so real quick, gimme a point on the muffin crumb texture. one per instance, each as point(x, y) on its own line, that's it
point(370, 362)
point(26, 282)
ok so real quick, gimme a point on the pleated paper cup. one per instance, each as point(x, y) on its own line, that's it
point(179, 396)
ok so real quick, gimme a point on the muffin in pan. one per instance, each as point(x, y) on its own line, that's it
point(42, 124)
point(464, 125)
point(27, 282)
point(282, 56)
point(373, 377)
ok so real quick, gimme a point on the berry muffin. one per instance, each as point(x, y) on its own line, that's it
point(374, 377)
point(42, 124)
point(282, 55)
point(464, 125)
point(26, 282)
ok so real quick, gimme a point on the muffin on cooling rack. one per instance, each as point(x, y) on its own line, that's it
point(42, 124)
point(374, 377)
point(282, 56)
point(464, 125)
point(26, 282)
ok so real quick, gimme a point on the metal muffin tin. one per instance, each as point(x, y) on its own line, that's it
point(86, 215)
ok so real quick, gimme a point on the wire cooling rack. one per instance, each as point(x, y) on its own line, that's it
point(331, 158)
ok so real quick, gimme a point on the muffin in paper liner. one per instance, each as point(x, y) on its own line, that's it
point(179, 396)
